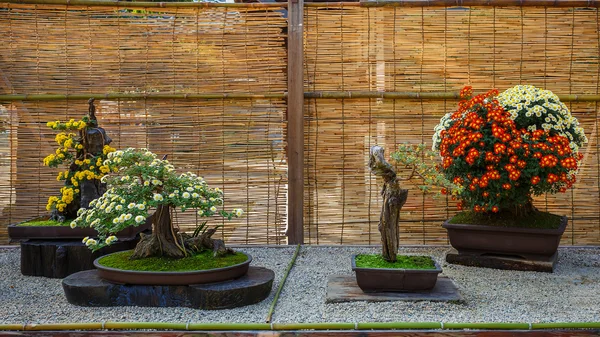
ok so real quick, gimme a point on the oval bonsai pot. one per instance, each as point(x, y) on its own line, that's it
point(20, 233)
point(121, 276)
point(395, 280)
point(528, 243)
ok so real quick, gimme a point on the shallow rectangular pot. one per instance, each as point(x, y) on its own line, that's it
point(395, 280)
point(528, 243)
point(21, 233)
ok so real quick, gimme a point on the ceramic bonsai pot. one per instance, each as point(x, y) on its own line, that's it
point(21, 233)
point(527, 243)
point(395, 280)
point(133, 277)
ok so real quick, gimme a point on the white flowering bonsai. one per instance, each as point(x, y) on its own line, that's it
point(141, 183)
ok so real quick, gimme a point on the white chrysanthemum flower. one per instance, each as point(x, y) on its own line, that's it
point(110, 239)
point(213, 209)
point(156, 182)
point(158, 197)
point(195, 195)
point(90, 242)
point(238, 212)
point(128, 216)
point(85, 239)
point(139, 219)
point(200, 212)
point(185, 195)
point(73, 224)
point(189, 189)
point(116, 221)
point(146, 183)
point(119, 208)
point(141, 207)
point(131, 205)
point(172, 195)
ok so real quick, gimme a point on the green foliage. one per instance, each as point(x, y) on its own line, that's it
point(542, 220)
point(140, 182)
point(201, 261)
point(414, 159)
point(402, 262)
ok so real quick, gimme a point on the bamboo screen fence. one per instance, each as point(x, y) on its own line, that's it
point(239, 144)
point(431, 49)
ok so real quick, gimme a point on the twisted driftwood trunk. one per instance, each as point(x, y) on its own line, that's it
point(394, 198)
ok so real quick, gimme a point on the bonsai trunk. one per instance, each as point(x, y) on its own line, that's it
point(522, 210)
point(394, 198)
point(162, 241)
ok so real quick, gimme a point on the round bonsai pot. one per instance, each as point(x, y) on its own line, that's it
point(20, 233)
point(527, 243)
point(120, 276)
point(395, 280)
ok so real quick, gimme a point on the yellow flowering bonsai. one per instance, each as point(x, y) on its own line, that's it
point(82, 148)
point(139, 182)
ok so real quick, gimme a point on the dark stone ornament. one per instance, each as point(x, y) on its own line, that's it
point(86, 288)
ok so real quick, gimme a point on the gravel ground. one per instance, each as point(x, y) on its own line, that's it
point(570, 294)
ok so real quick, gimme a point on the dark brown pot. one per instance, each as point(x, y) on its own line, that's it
point(528, 243)
point(164, 278)
point(395, 280)
point(20, 233)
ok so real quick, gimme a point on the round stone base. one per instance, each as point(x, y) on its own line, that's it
point(87, 289)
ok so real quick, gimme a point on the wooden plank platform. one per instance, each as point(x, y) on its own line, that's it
point(501, 262)
point(343, 288)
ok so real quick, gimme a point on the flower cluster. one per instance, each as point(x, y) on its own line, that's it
point(71, 152)
point(535, 109)
point(139, 183)
point(502, 155)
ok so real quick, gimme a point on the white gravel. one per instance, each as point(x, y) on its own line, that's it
point(570, 294)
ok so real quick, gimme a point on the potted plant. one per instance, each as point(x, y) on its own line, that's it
point(503, 150)
point(387, 271)
point(140, 182)
point(83, 146)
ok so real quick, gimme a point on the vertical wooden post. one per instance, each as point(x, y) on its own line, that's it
point(295, 117)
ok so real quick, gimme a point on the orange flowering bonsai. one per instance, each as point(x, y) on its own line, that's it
point(502, 149)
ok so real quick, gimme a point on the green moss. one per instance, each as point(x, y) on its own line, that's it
point(542, 220)
point(402, 262)
point(202, 261)
point(43, 223)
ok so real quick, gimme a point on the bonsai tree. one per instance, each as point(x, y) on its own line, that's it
point(83, 147)
point(502, 149)
point(139, 183)
point(394, 197)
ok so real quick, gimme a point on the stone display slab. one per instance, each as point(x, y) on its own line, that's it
point(61, 258)
point(86, 288)
point(343, 288)
point(501, 262)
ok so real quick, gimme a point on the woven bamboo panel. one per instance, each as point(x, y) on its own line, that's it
point(432, 49)
point(238, 145)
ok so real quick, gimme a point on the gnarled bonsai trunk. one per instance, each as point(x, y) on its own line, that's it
point(162, 240)
point(394, 198)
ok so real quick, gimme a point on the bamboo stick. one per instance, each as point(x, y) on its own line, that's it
point(117, 3)
point(488, 3)
point(254, 96)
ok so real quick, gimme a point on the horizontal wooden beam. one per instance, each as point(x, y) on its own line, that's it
point(430, 96)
